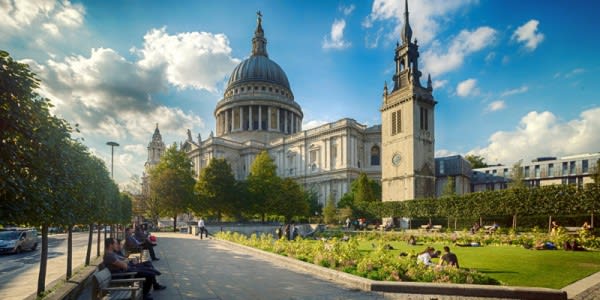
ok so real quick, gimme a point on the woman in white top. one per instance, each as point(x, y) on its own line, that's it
point(425, 257)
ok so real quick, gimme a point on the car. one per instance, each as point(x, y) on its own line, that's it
point(17, 240)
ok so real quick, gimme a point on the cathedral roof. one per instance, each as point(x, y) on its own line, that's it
point(258, 67)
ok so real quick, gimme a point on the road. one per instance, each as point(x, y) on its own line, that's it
point(205, 269)
point(19, 272)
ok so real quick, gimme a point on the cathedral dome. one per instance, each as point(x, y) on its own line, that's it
point(258, 103)
point(258, 68)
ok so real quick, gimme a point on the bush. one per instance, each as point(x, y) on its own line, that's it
point(378, 264)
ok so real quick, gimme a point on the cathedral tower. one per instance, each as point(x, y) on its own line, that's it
point(156, 148)
point(407, 129)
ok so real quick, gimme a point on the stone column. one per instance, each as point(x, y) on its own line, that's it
point(232, 119)
point(293, 123)
point(268, 118)
point(259, 117)
point(285, 122)
point(241, 118)
point(278, 118)
point(225, 127)
point(249, 117)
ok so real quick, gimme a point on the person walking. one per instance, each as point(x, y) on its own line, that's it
point(347, 223)
point(202, 228)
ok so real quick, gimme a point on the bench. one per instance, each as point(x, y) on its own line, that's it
point(104, 287)
point(572, 230)
point(434, 228)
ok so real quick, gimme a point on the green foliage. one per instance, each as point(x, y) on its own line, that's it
point(476, 161)
point(263, 185)
point(172, 182)
point(377, 264)
point(292, 200)
point(329, 211)
point(216, 189)
point(450, 187)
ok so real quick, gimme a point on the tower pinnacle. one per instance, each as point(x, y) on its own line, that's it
point(406, 30)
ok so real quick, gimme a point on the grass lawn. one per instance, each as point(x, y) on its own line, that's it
point(517, 266)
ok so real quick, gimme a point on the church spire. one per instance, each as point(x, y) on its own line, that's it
point(406, 30)
point(259, 43)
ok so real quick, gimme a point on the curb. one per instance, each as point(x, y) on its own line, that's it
point(446, 289)
point(72, 288)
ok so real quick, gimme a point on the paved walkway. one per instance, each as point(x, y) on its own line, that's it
point(204, 269)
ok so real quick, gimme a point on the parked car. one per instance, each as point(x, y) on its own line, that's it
point(17, 240)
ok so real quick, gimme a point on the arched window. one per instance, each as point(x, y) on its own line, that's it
point(375, 156)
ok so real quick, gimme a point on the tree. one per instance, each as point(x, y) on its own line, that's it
point(312, 198)
point(263, 185)
point(363, 192)
point(172, 183)
point(596, 173)
point(215, 189)
point(449, 187)
point(517, 177)
point(476, 161)
point(292, 200)
point(329, 211)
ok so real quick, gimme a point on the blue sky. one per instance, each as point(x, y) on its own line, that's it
point(514, 79)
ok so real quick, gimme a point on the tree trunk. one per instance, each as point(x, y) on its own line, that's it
point(480, 221)
point(104, 231)
point(69, 252)
point(98, 244)
point(448, 222)
point(89, 246)
point(175, 223)
point(592, 221)
point(455, 221)
point(549, 224)
point(43, 261)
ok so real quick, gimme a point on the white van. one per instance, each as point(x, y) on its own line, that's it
point(17, 240)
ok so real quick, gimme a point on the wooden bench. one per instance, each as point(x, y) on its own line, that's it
point(434, 228)
point(572, 230)
point(104, 287)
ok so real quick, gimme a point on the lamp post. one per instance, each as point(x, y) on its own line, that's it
point(112, 175)
point(112, 154)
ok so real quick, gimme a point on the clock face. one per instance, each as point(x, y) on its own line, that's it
point(396, 159)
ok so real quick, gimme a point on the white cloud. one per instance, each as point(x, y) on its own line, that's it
point(529, 35)
point(444, 153)
point(496, 106)
point(490, 57)
point(25, 18)
point(439, 83)
point(313, 123)
point(543, 134)
point(335, 40)
point(347, 10)
point(467, 88)
point(574, 72)
point(426, 17)
point(197, 60)
point(440, 58)
point(516, 91)
point(111, 98)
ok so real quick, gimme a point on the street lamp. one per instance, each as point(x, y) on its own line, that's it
point(112, 153)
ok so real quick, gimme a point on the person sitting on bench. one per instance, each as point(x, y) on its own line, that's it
point(132, 242)
point(115, 265)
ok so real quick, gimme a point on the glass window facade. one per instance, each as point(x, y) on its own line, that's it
point(584, 166)
point(550, 170)
point(537, 171)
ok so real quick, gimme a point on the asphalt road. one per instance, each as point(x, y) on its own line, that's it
point(19, 272)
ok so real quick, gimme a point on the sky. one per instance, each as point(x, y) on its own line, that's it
point(513, 79)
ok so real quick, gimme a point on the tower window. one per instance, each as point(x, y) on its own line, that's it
point(396, 122)
point(424, 119)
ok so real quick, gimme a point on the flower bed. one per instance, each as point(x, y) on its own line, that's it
point(379, 264)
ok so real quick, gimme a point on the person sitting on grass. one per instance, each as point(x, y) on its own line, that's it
point(115, 265)
point(425, 257)
point(449, 258)
point(412, 240)
point(541, 245)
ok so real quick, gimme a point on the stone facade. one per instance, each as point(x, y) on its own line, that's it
point(258, 112)
point(407, 118)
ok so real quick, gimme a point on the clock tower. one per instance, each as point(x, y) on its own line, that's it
point(407, 129)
